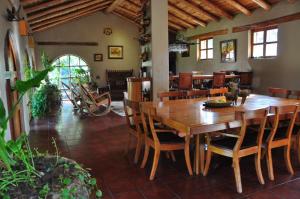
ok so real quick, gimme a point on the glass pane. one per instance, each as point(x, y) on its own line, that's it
point(258, 37)
point(271, 49)
point(64, 61)
point(64, 72)
point(203, 44)
point(203, 54)
point(210, 43)
point(258, 50)
point(210, 54)
point(272, 35)
point(74, 61)
point(82, 63)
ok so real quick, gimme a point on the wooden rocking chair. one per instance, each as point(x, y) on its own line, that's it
point(73, 96)
point(94, 104)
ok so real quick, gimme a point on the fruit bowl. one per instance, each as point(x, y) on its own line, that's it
point(217, 104)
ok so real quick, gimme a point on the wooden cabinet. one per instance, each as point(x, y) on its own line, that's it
point(139, 89)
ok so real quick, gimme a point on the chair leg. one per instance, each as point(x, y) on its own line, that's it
point(202, 157)
point(270, 164)
point(197, 155)
point(138, 149)
point(187, 155)
point(155, 163)
point(146, 154)
point(237, 174)
point(287, 158)
point(207, 162)
point(167, 154)
point(172, 156)
point(298, 146)
point(258, 168)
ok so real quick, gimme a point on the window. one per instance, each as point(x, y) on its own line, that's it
point(206, 49)
point(66, 70)
point(264, 43)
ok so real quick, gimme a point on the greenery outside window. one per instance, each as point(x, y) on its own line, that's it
point(66, 71)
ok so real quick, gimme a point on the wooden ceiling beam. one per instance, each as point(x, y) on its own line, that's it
point(42, 6)
point(172, 8)
point(175, 19)
point(217, 9)
point(239, 6)
point(174, 25)
point(262, 4)
point(56, 9)
point(71, 18)
point(113, 6)
point(126, 18)
point(197, 9)
point(291, 1)
point(128, 12)
point(94, 3)
point(65, 17)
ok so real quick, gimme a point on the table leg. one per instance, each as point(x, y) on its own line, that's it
point(197, 154)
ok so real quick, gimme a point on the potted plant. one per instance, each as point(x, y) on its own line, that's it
point(26, 173)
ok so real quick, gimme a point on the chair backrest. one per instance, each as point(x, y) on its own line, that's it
point(279, 92)
point(185, 81)
point(132, 113)
point(246, 78)
point(296, 94)
point(171, 95)
point(246, 117)
point(218, 91)
point(197, 93)
point(218, 79)
point(149, 117)
point(290, 112)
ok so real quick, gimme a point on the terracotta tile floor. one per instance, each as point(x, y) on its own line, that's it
point(99, 143)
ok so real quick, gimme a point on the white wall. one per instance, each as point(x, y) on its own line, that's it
point(90, 29)
point(282, 71)
point(20, 46)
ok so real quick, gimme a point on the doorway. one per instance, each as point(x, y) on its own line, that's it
point(11, 66)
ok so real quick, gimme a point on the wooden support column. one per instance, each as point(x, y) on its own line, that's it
point(160, 46)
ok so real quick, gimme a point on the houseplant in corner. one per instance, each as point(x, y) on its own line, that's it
point(26, 173)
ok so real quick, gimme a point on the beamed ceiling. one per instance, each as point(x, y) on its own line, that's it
point(183, 14)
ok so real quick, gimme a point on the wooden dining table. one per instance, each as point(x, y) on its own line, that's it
point(191, 119)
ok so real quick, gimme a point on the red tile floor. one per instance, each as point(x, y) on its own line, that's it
point(99, 142)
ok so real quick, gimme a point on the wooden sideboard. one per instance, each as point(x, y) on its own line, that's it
point(139, 89)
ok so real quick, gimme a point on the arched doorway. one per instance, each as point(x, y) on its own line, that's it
point(66, 67)
point(11, 66)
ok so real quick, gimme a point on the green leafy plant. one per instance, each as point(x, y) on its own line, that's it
point(18, 161)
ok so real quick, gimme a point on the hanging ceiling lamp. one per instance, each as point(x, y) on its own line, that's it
point(180, 45)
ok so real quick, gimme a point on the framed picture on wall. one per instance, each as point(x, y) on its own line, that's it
point(98, 57)
point(115, 52)
point(228, 51)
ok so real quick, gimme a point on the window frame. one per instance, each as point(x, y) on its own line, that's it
point(206, 49)
point(265, 43)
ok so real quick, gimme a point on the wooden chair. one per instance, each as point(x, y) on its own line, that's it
point(280, 136)
point(235, 146)
point(73, 95)
point(218, 91)
point(245, 80)
point(171, 95)
point(161, 139)
point(279, 92)
point(134, 122)
point(197, 93)
point(218, 80)
point(185, 81)
point(94, 105)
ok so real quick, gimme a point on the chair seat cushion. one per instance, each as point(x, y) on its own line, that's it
point(169, 137)
point(229, 142)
